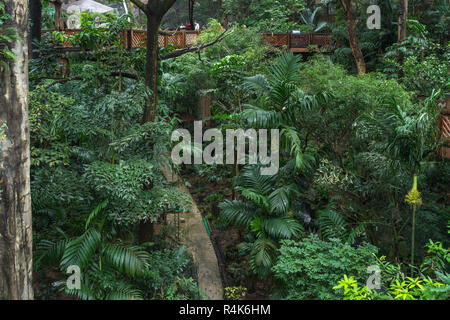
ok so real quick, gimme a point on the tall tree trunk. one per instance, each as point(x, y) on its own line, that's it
point(352, 37)
point(58, 5)
point(151, 67)
point(36, 25)
point(191, 13)
point(151, 80)
point(402, 17)
point(154, 10)
point(15, 204)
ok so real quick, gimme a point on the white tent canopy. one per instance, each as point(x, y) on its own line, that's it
point(86, 5)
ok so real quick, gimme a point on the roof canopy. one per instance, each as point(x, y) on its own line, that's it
point(86, 5)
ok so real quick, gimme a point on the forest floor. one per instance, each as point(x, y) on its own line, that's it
point(199, 246)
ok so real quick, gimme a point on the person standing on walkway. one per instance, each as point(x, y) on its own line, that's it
point(197, 26)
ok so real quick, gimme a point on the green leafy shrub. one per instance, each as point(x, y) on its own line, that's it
point(408, 289)
point(170, 276)
point(432, 282)
point(308, 269)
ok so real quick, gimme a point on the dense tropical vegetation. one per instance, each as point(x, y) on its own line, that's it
point(361, 184)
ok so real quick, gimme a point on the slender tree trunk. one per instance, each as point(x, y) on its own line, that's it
point(154, 11)
point(58, 5)
point(36, 25)
point(191, 13)
point(352, 37)
point(151, 80)
point(151, 67)
point(402, 17)
point(15, 204)
point(413, 229)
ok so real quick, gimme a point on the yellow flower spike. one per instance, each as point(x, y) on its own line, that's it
point(413, 197)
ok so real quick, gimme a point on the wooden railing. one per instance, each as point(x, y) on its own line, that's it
point(134, 38)
point(298, 42)
point(180, 39)
point(444, 125)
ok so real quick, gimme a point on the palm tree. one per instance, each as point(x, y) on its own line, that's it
point(281, 104)
point(105, 262)
point(264, 214)
point(406, 137)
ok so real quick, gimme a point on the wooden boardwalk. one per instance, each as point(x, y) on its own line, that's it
point(298, 43)
point(199, 245)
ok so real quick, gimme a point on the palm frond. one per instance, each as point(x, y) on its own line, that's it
point(81, 250)
point(281, 228)
point(332, 224)
point(95, 212)
point(285, 69)
point(257, 84)
point(251, 179)
point(280, 198)
point(125, 294)
point(261, 118)
point(356, 232)
point(237, 212)
point(263, 255)
point(85, 292)
point(255, 197)
point(49, 252)
point(131, 260)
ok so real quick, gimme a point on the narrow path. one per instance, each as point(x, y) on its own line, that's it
point(199, 245)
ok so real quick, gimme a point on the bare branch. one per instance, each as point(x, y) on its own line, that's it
point(197, 48)
point(167, 33)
